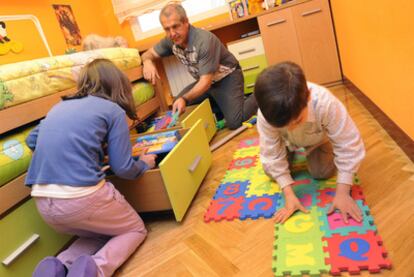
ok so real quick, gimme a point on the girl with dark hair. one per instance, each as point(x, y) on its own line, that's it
point(67, 180)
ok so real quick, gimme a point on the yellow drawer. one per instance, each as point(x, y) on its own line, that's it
point(174, 184)
point(246, 48)
point(26, 237)
point(203, 112)
point(251, 68)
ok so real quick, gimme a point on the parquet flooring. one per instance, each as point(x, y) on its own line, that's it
point(244, 248)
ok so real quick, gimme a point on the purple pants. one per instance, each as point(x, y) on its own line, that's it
point(109, 229)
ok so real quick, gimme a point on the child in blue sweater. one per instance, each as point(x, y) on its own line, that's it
point(67, 180)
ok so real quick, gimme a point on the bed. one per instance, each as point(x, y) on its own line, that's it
point(29, 89)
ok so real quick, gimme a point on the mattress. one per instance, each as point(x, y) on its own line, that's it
point(24, 81)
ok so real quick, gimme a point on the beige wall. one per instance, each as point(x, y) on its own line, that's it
point(376, 45)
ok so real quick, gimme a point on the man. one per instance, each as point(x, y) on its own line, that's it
point(217, 72)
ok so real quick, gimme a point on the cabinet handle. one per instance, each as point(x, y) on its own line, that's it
point(276, 22)
point(311, 12)
point(251, 68)
point(250, 86)
point(247, 51)
point(194, 164)
point(16, 253)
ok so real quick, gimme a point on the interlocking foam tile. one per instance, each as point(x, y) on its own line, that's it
point(245, 162)
point(236, 175)
point(356, 252)
point(298, 247)
point(249, 142)
point(333, 223)
point(228, 208)
point(305, 224)
point(326, 195)
point(244, 152)
point(306, 244)
point(259, 206)
point(262, 185)
point(234, 189)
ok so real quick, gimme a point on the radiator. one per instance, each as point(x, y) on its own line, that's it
point(177, 74)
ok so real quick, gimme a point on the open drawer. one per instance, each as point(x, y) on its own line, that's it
point(175, 182)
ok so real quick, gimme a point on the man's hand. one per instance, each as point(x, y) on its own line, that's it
point(292, 204)
point(179, 105)
point(345, 204)
point(150, 71)
point(149, 159)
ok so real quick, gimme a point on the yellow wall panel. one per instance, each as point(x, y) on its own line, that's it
point(376, 45)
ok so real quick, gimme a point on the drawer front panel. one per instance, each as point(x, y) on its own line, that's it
point(185, 167)
point(203, 112)
point(18, 228)
point(251, 69)
point(247, 48)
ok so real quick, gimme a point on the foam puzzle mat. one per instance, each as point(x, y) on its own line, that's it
point(306, 244)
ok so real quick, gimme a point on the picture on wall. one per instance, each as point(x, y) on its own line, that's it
point(68, 24)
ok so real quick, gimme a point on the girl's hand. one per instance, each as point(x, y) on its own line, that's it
point(345, 204)
point(292, 204)
point(149, 159)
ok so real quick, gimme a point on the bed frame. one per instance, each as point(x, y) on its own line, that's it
point(13, 117)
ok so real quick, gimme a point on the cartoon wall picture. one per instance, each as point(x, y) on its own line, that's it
point(6, 43)
point(68, 24)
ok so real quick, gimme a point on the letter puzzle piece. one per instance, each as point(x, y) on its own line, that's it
point(228, 208)
point(233, 189)
point(333, 223)
point(356, 252)
point(245, 162)
point(244, 152)
point(259, 206)
point(298, 247)
point(326, 195)
point(249, 143)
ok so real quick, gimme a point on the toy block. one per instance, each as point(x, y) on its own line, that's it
point(333, 223)
point(227, 209)
point(245, 162)
point(234, 189)
point(356, 252)
point(249, 142)
point(263, 206)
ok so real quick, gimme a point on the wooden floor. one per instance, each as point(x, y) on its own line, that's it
point(244, 248)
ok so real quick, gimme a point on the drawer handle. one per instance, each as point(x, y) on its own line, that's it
point(13, 256)
point(250, 86)
point(194, 164)
point(251, 67)
point(206, 124)
point(311, 12)
point(276, 22)
point(247, 51)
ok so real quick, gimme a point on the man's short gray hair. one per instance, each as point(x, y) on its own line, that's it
point(171, 8)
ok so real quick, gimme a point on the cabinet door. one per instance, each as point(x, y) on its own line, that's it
point(317, 41)
point(279, 37)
